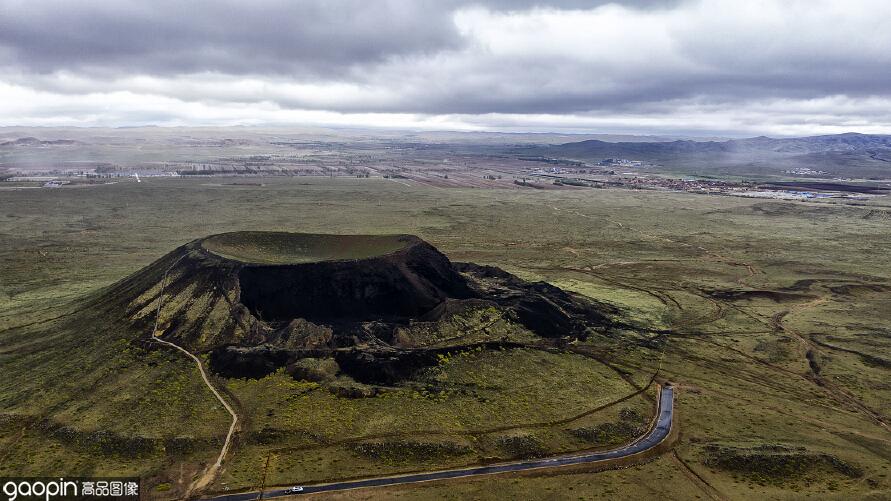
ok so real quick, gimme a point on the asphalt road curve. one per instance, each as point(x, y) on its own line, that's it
point(655, 436)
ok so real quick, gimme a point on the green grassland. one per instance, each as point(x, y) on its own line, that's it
point(284, 248)
point(772, 317)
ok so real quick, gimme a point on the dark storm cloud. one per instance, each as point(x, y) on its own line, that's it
point(169, 36)
point(293, 37)
point(458, 57)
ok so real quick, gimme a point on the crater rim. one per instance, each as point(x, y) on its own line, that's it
point(277, 248)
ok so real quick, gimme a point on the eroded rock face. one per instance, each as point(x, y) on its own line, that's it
point(398, 286)
point(379, 307)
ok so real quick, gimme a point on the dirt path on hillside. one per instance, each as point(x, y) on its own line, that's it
point(696, 479)
point(211, 472)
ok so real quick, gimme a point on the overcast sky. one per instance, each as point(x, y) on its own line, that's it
point(709, 67)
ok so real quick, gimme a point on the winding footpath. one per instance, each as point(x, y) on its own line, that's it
point(212, 471)
point(655, 436)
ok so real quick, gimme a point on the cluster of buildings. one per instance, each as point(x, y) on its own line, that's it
point(804, 171)
point(619, 162)
point(695, 185)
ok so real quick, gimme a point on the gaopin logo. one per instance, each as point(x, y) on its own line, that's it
point(34, 489)
point(61, 488)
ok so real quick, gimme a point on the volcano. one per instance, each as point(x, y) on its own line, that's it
point(379, 306)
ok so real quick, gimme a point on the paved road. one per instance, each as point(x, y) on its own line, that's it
point(653, 438)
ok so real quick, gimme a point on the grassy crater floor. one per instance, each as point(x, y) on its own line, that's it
point(295, 248)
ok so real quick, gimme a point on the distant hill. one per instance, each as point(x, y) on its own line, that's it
point(813, 144)
point(33, 141)
point(850, 154)
point(761, 144)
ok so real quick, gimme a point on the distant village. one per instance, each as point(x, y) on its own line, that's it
point(470, 171)
point(600, 175)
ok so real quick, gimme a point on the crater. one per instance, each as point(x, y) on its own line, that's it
point(340, 278)
point(376, 308)
point(269, 247)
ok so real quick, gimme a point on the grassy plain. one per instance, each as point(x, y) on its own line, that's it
point(778, 320)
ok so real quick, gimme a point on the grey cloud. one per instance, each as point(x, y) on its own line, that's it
point(295, 37)
point(513, 5)
point(236, 37)
point(409, 55)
